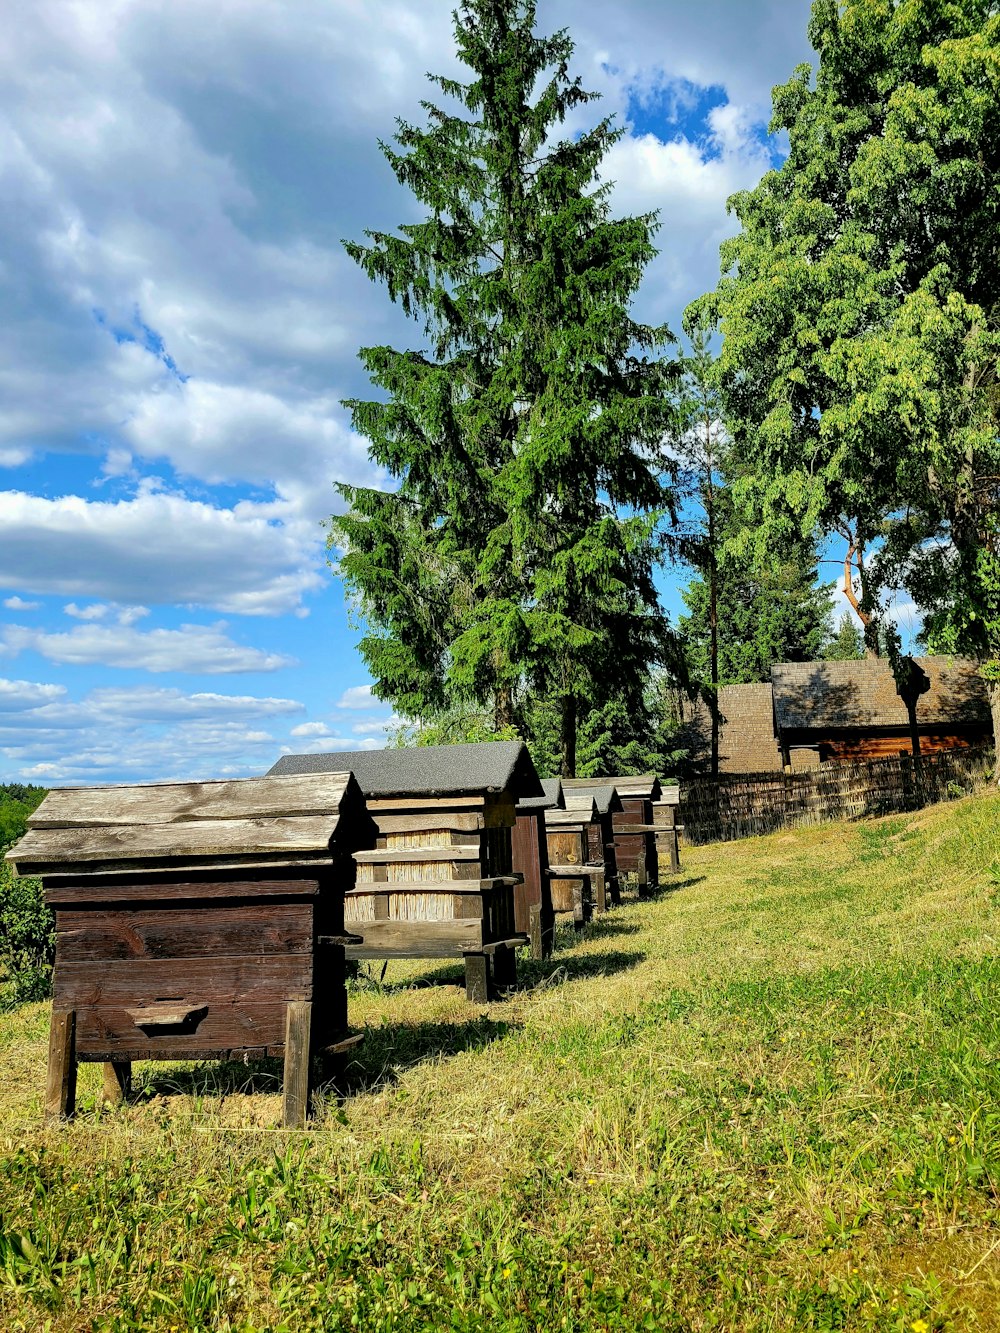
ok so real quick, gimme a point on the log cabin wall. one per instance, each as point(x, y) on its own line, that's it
point(851, 748)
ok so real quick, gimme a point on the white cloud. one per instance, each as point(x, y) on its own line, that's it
point(192, 648)
point(96, 611)
point(19, 604)
point(139, 734)
point(358, 696)
point(157, 548)
point(311, 730)
point(18, 695)
point(162, 705)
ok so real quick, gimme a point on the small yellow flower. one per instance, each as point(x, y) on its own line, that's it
point(952, 1138)
point(920, 1326)
point(507, 1272)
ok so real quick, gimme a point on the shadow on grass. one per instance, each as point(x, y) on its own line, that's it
point(562, 966)
point(383, 1056)
point(669, 885)
point(213, 1078)
point(388, 1052)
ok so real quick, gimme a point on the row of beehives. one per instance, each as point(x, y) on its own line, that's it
point(213, 920)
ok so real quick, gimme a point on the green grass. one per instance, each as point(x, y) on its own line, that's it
point(768, 1100)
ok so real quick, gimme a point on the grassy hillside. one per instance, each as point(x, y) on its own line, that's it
point(769, 1099)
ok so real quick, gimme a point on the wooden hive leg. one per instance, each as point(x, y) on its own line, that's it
point(675, 852)
point(477, 978)
point(117, 1081)
point(296, 1089)
point(505, 969)
point(600, 892)
point(641, 878)
point(580, 905)
point(60, 1086)
point(536, 934)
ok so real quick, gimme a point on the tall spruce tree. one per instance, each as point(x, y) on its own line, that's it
point(515, 558)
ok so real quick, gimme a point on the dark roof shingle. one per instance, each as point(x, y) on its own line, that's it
point(550, 800)
point(427, 770)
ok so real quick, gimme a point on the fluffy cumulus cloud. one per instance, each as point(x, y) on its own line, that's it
point(139, 734)
point(358, 696)
point(158, 547)
point(201, 649)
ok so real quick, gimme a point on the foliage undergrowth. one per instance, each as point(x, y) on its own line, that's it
point(768, 1099)
point(27, 940)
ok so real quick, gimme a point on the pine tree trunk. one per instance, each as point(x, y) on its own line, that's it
point(503, 709)
point(713, 625)
point(567, 736)
point(994, 692)
point(713, 591)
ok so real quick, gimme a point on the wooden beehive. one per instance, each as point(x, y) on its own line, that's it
point(578, 885)
point(199, 920)
point(530, 857)
point(667, 828)
point(600, 832)
point(439, 882)
point(635, 842)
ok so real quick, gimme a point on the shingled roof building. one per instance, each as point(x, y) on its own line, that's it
point(814, 712)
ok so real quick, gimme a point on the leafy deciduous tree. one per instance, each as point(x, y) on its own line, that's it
point(860, 306)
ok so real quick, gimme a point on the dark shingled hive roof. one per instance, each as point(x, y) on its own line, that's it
point(825, 695)
point(605, 797)
point(427, 770)
point(552, 798)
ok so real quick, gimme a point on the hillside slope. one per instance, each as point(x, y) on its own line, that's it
point(768, 1099)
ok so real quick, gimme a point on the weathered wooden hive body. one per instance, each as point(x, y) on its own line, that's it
point(439, 882)
point(533, 896)
point(600, 833)
point(635, 842)
point(578, 882)
point(667, 828)
point(198, 920)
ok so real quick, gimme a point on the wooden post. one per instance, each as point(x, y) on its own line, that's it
point(579, 905)
point(60, 1086)
point(117, 1081)
point(477, 978)
point(536, 936)
point(600, 890)
point(298, 1024)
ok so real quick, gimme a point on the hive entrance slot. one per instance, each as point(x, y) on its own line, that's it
point(169, 1012)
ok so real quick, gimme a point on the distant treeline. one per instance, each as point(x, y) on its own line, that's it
point(17, 801)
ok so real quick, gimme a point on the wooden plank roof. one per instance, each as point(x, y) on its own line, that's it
point(186, 825)
point(810, 696)
point(429, 770)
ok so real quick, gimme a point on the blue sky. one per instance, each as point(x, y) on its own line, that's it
point(181, 323)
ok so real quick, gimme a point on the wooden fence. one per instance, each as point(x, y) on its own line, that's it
point(743, 805)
